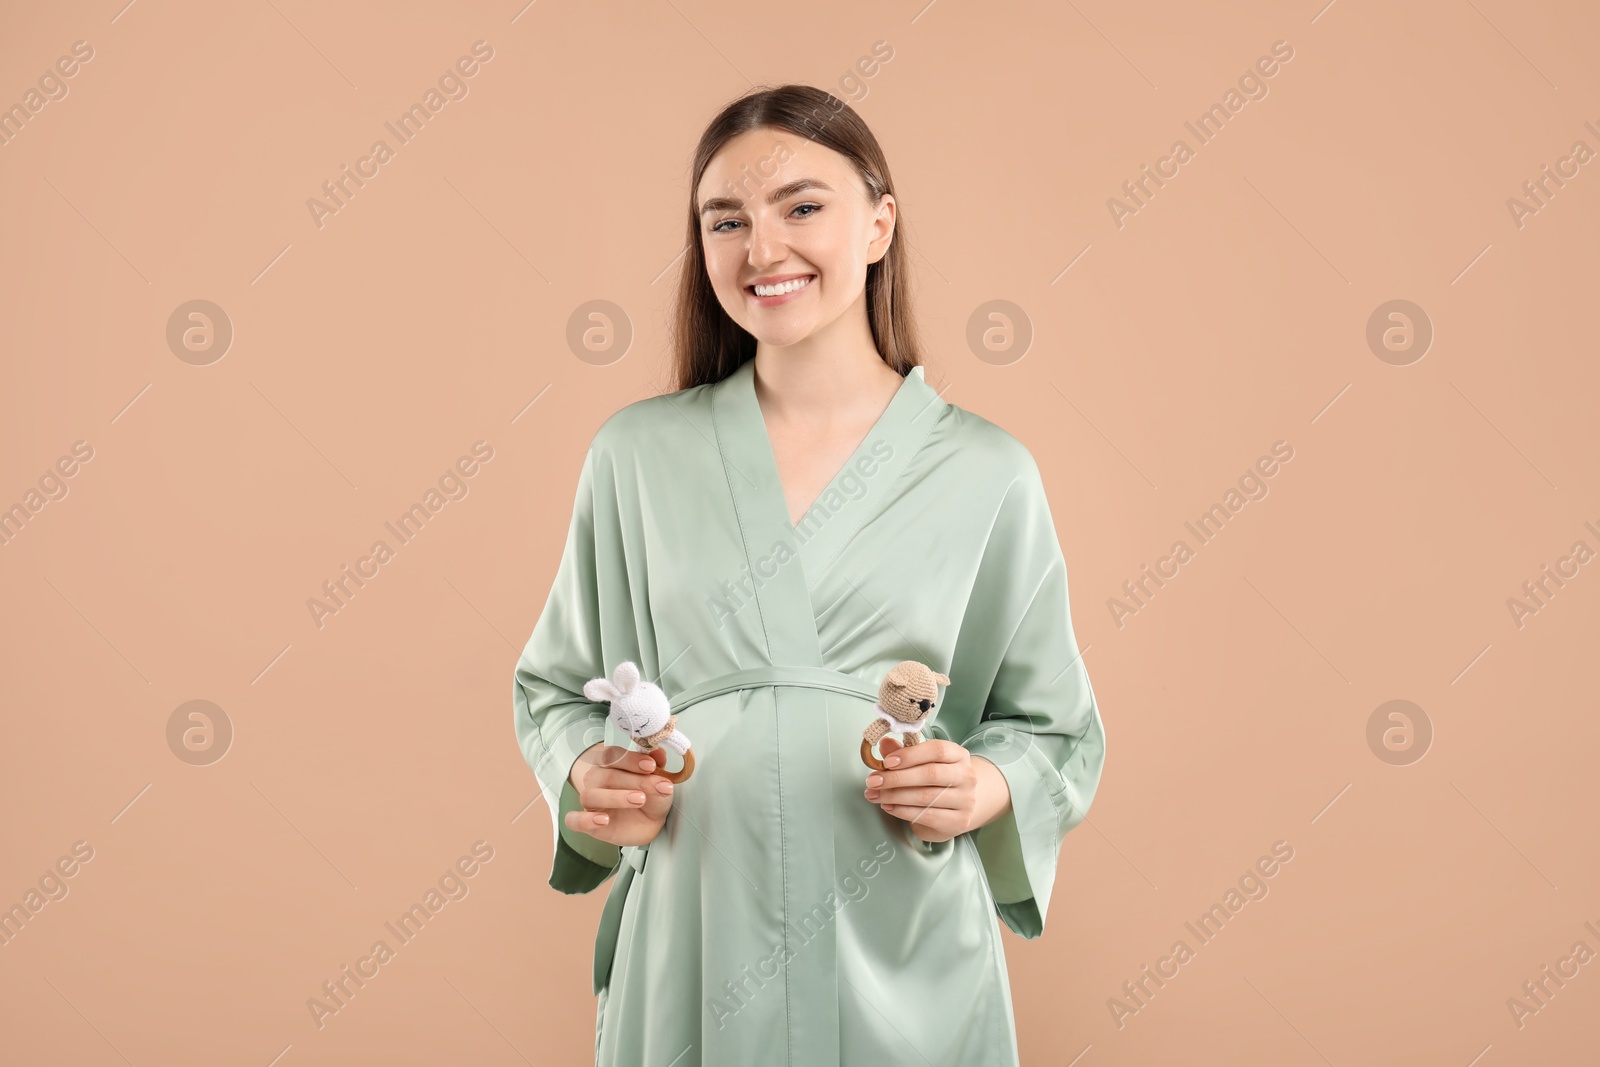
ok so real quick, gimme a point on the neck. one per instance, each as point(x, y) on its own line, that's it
point(834, 374)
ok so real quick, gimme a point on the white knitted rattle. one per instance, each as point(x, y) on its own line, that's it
point(641, 710)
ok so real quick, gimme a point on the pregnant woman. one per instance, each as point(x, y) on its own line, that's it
point(766, 543)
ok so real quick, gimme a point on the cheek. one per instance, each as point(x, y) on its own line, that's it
point(719, 265)
point(722, 269)
point(843, 268)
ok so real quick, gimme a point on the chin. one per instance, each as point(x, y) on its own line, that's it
point(779, 337)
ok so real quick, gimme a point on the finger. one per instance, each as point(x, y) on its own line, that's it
point(658, 793)
point(946, 799)
point(930, 750)
point(669, 762)
point(601, 799)
point(625, 776)
point(610, 756)
point(658, 803)
point(938, 819)
point(647, 780)
point(922, 815)
point(587, 822)
point(889, 747)
point(617, 758)
point(919, 774)
point(920, 796)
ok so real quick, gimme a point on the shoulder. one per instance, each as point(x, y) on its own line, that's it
point(1007, 494)
point(995, 474)
point(654, 422)
point(1000, 456)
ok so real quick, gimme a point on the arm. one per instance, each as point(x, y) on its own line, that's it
point(554, 721)
point(1041, 728)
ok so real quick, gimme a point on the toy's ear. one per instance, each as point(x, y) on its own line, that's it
point(941, 679)
point(626, 677)
point(600, 690)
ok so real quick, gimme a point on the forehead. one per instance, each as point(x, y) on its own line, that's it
point(766, 158)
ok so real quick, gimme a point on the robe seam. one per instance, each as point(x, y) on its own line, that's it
point(783, 865)
point(738, 514)
point(766, 639)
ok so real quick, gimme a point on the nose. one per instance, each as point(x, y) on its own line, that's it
point(924, 704)
point(766, 243)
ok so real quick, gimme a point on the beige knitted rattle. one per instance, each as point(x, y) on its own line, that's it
point(905, 704)
point(641, 710)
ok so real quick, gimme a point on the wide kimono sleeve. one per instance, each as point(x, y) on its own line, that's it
point(1041, 724)
point(555, 722)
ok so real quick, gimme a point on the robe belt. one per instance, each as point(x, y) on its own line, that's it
point(755, 678)
point(633, 857)
point(775, 674)
point(778, 674)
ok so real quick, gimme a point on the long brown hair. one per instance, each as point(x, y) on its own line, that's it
point(707, 345)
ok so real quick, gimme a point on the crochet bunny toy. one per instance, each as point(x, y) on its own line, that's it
point(905, 704)
point(641, 710)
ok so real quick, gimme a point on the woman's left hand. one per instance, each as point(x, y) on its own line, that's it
point(938, 787)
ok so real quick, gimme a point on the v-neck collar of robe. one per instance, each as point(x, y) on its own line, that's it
point(855, 493)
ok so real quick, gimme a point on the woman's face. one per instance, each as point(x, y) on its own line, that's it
point(821, 231)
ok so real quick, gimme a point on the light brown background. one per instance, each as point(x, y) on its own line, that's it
point(369, 354)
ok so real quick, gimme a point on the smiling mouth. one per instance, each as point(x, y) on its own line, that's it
point(793, 285)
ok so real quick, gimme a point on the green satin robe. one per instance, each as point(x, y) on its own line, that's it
point(780, 917)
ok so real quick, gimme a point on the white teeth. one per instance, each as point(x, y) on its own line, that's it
point(782, 287)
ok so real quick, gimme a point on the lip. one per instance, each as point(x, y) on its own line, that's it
point(783, 298)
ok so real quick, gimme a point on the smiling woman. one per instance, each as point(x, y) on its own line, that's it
point(801, 388)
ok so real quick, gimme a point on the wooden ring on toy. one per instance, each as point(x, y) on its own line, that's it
point(868, 757)
point(661, 764)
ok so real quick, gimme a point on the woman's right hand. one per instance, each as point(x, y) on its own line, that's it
point(624, 803)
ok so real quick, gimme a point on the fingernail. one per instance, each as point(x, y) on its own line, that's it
point(663, 787)
point(602, 819)
point(636, 798)
point(647, 765)
point(874, 779)
point(891, 761)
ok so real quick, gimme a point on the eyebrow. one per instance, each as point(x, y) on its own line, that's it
point(729, 203)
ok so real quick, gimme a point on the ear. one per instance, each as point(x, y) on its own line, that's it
point(626, 677)
point(600, 691)
point(941, 679)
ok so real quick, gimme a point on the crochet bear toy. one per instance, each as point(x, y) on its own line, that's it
point(906, 700)
point(641, 710)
